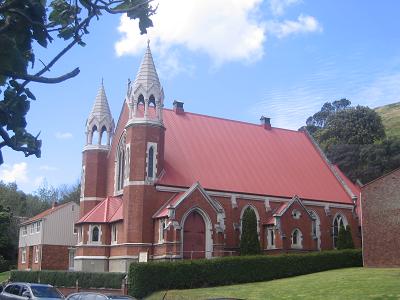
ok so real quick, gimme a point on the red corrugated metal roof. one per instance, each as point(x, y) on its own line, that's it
point(45, 213)
point(227, 155)
point(109, 210)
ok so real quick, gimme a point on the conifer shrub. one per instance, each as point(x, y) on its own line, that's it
point(345, 239)
point(249, 243)
point(145, 278)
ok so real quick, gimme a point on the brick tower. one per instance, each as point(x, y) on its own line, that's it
point(144, 152)
point(99, 131)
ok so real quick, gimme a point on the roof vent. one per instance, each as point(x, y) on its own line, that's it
point(265, 122)
point(178, 107)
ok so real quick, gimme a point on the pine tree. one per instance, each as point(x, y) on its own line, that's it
point(249, 243)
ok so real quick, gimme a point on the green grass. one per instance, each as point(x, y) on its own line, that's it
point(4, 276)
point(390, 115)
point(351, 283)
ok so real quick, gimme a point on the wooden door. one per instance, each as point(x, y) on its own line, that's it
point(194, 238)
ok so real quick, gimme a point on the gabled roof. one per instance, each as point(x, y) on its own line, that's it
point(285, 206)
point(45, 213)
point(108, 210)
point(177, 199)
point(234, 156)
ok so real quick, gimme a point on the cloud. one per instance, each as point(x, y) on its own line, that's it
point(278, 7)
point(63, 135)
point(15, 173)
point(225, 30)
point(47, 168)
point(303, 24)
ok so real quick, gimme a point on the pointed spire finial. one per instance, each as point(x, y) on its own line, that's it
point(102, 80)
point(148, 42)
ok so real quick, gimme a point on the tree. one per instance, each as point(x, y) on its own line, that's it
point(24, 22)
point(354, 139)
point(249, 243)
point(354, 125)
point(5, 238)
point(344, 239)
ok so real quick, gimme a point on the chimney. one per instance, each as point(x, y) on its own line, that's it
point(54, 204)
point(265, 122)
point(178, 107)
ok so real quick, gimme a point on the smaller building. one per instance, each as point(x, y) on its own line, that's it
point(380, 207)
point(47, 240)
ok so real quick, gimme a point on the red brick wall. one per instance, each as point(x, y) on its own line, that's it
point(380, 204)
point(54, 257)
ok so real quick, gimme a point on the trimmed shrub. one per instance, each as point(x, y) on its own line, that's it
point(345, 239)
point(145, 278)
point(68, 279)
point(249, 243)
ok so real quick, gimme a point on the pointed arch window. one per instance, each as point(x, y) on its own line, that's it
point(95, 234)
point(338, 223)
point(297, 239)
point(151, 161)
point(120, 165)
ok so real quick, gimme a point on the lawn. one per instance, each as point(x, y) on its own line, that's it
point(351, 283)
point(4, 276)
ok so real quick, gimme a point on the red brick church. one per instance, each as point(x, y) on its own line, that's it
point(170, 184)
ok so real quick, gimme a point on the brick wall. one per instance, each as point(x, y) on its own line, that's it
point(380, 204)
point(54, 257)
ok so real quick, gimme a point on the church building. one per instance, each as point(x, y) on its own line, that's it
point(167, 184)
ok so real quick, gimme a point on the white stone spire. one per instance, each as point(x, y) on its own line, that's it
point(100, 120)
point(145, 94)
point(147, 74)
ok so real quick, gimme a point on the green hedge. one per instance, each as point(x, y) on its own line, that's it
point(145, 278)
point(68, 279)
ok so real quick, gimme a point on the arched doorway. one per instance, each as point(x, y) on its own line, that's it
point(194, 237)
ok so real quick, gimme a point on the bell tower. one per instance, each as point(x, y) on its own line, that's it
point(99, 132)
point(145, 133)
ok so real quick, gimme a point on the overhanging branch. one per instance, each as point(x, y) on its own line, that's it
point(40, 79)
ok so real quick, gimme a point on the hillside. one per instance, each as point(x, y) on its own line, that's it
point(390, 115)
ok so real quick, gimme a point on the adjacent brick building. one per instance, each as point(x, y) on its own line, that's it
point(380, 206)
point(169, 184)
point(47, 240)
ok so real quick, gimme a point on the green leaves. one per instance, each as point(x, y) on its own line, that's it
point(249, 243)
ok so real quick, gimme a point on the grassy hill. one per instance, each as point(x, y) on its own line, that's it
point(390, 115)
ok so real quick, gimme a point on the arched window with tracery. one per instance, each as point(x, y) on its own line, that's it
point(338, 222)
point(297, 239)
point(95, 234)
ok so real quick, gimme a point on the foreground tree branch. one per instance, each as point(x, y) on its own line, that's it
point(40, 79)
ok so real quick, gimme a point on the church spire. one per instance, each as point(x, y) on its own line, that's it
point(100, 120)
point(145, 95)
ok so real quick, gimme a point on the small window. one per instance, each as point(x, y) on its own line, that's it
point(270, 238)
point(150, 168)
point(95, 234)
point(23, 256)
point(296, 214)
point(114, 233)
point(161, 230)
point(297, 239)
point(38, 226)
point(24, 230)
point(33, 228)
point(80, 235)
point(36, 254)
